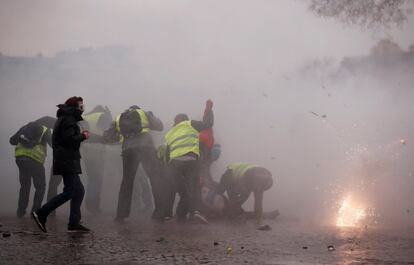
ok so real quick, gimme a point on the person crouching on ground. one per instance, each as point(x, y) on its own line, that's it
point(240, 180)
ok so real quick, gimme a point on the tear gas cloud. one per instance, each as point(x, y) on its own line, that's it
point(303, 96)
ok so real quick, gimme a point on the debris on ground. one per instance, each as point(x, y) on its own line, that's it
point(331, 248)
point(304, 247)
point(229, 249)
point(241, 247)
point(6, 234)
point(215, 243)
point(264, 228)
point(161, 239)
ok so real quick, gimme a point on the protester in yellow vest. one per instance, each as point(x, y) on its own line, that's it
point(183, 167)
point(240, 180)
point(96, 121)
point(30, 152)
point(133, 128)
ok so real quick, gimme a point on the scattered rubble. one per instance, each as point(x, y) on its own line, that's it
point(264, 228)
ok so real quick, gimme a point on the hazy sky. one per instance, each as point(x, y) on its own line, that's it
point(280, 30)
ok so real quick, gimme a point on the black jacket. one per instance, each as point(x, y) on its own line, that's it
point(46, 139)
point(67, 138)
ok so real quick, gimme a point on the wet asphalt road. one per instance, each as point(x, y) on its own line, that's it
point(221, 242)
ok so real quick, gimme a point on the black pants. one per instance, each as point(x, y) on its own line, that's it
point(130, 160)
point(74, 191)
point(183, 177)
point(28, 169)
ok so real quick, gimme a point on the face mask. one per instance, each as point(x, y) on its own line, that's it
point(81, 106)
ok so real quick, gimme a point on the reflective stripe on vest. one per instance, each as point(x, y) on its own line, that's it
point(144, 122)
point(92, 120)
point(37, 153)
point(239, 169)
point(182, 139)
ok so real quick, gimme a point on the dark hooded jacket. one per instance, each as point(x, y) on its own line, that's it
point(67, 138)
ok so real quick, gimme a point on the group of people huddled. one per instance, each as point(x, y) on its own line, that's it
point(179, 166)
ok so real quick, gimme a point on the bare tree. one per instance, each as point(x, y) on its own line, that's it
point(369, 14)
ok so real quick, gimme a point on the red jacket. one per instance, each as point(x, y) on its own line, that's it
point(207, 138)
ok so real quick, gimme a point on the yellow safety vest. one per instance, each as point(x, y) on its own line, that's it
point(239, 169)
point(37, 153)
point(92, 120)
point(182, 139)
point(144, 122)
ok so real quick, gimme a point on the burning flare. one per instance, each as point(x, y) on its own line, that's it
point(350, 214)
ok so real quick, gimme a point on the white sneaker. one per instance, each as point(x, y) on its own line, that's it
point(197, 217)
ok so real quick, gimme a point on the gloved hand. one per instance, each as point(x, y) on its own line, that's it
point(209, 104)
point(86, 134)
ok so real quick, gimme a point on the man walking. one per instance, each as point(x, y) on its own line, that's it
point(67, 138)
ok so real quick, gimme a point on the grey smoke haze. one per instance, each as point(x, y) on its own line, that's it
point(245, 55)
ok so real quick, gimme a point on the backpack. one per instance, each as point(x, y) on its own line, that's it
point(130, 122)
point(30, 134)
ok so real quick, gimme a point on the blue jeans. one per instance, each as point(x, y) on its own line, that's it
point(74, 191)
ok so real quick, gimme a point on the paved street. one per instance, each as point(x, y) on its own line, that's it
point(143, 242)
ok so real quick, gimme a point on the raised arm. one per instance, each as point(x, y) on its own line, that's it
point(208, 118)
